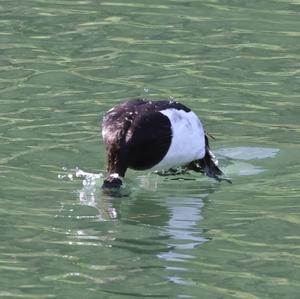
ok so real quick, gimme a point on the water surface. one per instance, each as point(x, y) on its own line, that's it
point(63, 64)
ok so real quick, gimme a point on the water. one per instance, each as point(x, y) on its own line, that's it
point(63, 63)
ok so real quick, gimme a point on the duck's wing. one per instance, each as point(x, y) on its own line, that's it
point(147, 140)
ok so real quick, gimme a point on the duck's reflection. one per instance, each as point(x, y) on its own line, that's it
point(184, 234)
point(171, 224)
point(183, 225)
point(178, 215)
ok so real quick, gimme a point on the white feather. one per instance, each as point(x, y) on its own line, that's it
point(188, 139)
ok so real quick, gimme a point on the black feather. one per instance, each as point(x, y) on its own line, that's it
point(207, 165)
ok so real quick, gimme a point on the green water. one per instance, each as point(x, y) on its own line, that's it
point(63, 64)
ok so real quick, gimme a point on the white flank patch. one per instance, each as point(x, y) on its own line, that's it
point(188, 141)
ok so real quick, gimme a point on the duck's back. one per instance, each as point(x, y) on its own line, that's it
point(117, 120)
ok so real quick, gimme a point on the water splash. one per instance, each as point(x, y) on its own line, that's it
point(87, 178)
point(90, 183)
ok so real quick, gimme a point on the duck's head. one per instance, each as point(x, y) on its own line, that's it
point(113, 181)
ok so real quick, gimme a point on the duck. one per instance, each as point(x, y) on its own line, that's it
point(158, 135)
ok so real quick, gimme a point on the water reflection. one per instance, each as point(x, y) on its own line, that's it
point(183, 224)
point(184, 234)
point(169, 225)
point(159, 221)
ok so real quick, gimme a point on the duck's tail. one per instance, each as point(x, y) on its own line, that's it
point(208, 165)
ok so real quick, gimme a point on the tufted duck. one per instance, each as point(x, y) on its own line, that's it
point(155, 135)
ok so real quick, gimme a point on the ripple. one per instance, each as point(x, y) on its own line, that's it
point(249, 153)
point(63, 64)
